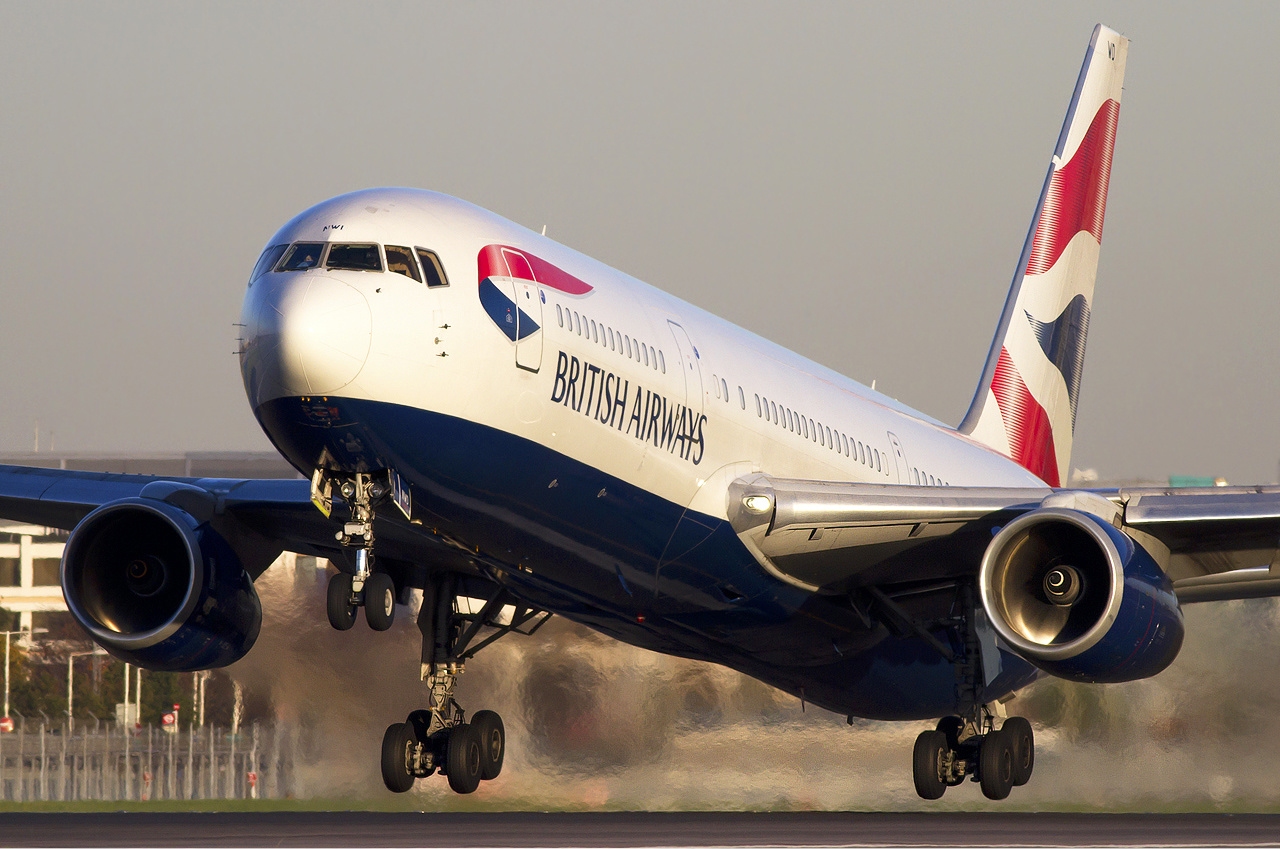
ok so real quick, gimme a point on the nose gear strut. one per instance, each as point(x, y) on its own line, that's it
point(374, 591)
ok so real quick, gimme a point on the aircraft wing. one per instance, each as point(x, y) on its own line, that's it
point(261, 517)
point(274, 515)
point(834, 537)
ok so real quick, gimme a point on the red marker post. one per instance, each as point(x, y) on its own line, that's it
point(6, 725)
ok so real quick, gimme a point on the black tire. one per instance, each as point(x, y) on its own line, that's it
point(342, 613)
point(462, 759)
point(420, 723)
point(927, 764)
point(397, 758)
point(379, 601)
point(1024, 748)
point(493, 743)
point(995, 765)
point(952, 726)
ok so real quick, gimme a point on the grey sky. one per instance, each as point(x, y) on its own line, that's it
point(852, 181)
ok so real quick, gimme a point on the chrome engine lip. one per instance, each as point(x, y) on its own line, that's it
point(144, 639)
point(987, 591)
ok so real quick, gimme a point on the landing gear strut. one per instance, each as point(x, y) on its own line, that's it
point(374, 591)
point(439, 736)
point(970, 745)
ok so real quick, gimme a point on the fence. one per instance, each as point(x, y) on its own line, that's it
point(43, 762)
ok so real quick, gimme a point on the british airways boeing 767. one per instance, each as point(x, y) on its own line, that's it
point(517, 430)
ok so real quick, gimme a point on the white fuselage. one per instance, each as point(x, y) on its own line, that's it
point(383, 336)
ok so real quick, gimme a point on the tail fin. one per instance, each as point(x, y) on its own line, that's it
point(1025, 406)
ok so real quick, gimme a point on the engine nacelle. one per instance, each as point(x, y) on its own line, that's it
point(158, 588)
point(1079, 598)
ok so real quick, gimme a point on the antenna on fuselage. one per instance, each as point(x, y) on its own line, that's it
point(544, 229)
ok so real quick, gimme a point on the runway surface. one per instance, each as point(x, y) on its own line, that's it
point(637, 829)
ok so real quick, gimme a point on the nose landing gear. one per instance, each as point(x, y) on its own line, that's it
point(374, 591)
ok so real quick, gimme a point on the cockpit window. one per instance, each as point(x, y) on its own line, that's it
point(401, 261)
point(432, 268)
point(302, 256)
point(354, 257)
point(267, 261)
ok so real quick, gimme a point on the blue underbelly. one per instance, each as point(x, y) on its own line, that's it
point(617, 558)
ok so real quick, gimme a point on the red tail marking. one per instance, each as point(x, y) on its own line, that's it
point(1025, 421)
point(1077, 196)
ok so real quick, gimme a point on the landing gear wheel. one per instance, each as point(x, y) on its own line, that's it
point(419, 723)
point(463, 759)
point(493, 742)
point(342, 613)
point(995, 765)
point(397, 757)
point(379, 601)
point(928, 766)
point(1018, 730)
point(951, 726)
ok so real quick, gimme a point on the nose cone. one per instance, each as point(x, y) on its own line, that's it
point(306, 334)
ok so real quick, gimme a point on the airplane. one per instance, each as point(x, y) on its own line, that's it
point(515, 430)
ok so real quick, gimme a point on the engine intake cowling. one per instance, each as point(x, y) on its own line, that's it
point(158, 588)
point(1079, 598)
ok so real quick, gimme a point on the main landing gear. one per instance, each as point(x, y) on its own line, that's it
point(374, 591)
point(998, 759)
point(439, 737)
point(968, 745)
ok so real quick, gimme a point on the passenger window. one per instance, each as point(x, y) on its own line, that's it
point(627, 339)
point(876, 456)
point(916, 472)
point(774, 407)
point(401, 261)
point(725, 387)
point(594, 336)
point(662, 361)
point(645, 349)
point(862, 454)
point(267, 261)
point(577, 322)
point(559, 315)
point(302, 256)
point(610, 335)
point(742, 398)
point(757, 406)
point(354, 258)
point(432, 268)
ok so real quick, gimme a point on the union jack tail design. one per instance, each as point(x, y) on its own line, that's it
point(1025, 406)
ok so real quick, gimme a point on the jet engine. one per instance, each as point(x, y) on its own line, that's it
point(157, 587)
point(1079, 598)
